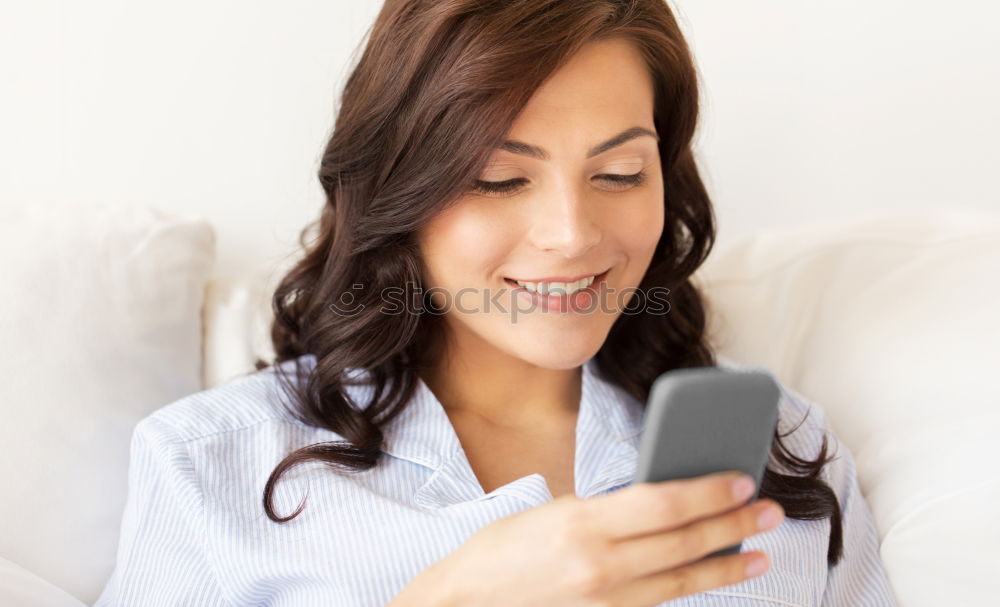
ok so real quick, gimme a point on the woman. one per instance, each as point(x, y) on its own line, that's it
point(466, 441)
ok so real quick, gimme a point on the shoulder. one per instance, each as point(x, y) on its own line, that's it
point(242, 404)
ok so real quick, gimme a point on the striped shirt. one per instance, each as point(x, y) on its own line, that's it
point(194, 532)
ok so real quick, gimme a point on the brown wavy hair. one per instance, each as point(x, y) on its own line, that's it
point(434, 93)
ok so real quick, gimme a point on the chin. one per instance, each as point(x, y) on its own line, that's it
point(557, 358)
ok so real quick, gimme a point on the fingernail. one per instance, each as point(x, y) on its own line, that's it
point(756, 566)
point(743, 487)
point(768, 518)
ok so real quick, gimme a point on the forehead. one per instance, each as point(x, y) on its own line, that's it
point(606, 85)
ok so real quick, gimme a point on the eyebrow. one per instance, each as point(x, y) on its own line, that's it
point(526, 149)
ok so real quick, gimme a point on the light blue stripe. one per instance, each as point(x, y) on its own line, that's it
point(194, 532)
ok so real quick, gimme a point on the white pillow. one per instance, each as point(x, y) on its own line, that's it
point(100, 326)
point(21, 588)
point(238, 320)
point(891, 324)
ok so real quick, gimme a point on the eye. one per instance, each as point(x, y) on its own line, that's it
point(497, 187)
point(621, 182)
point(626, 180)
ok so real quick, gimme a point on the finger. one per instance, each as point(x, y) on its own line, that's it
point(703, 575)
point(640, 556)
point(647, 508)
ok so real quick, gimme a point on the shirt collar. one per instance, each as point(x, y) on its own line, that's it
point(608, 430)
point(609, 427)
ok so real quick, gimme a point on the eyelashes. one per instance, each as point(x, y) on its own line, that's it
point(620, 182)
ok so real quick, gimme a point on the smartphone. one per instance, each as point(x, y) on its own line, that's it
point(703, 420)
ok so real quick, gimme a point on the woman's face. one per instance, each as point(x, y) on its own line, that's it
point(563, 218)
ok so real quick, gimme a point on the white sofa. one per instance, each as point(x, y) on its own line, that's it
point(889, 323)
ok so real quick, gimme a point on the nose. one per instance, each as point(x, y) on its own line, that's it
point(563, 223)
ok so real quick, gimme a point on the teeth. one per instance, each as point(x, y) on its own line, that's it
point(557, 288)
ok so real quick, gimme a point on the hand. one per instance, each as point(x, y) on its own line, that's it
point(638, 546)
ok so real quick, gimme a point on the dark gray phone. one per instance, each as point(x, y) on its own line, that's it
point(703, 420)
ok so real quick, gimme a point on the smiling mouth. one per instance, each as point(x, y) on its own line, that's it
point(597, 280)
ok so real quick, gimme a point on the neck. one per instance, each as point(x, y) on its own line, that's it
point(503, 391)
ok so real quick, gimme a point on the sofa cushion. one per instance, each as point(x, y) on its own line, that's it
point(890, 323)
point(101, 325)
point(22, 588)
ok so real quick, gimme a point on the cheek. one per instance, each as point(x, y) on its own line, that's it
point(463, 244)
point(639, 228)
